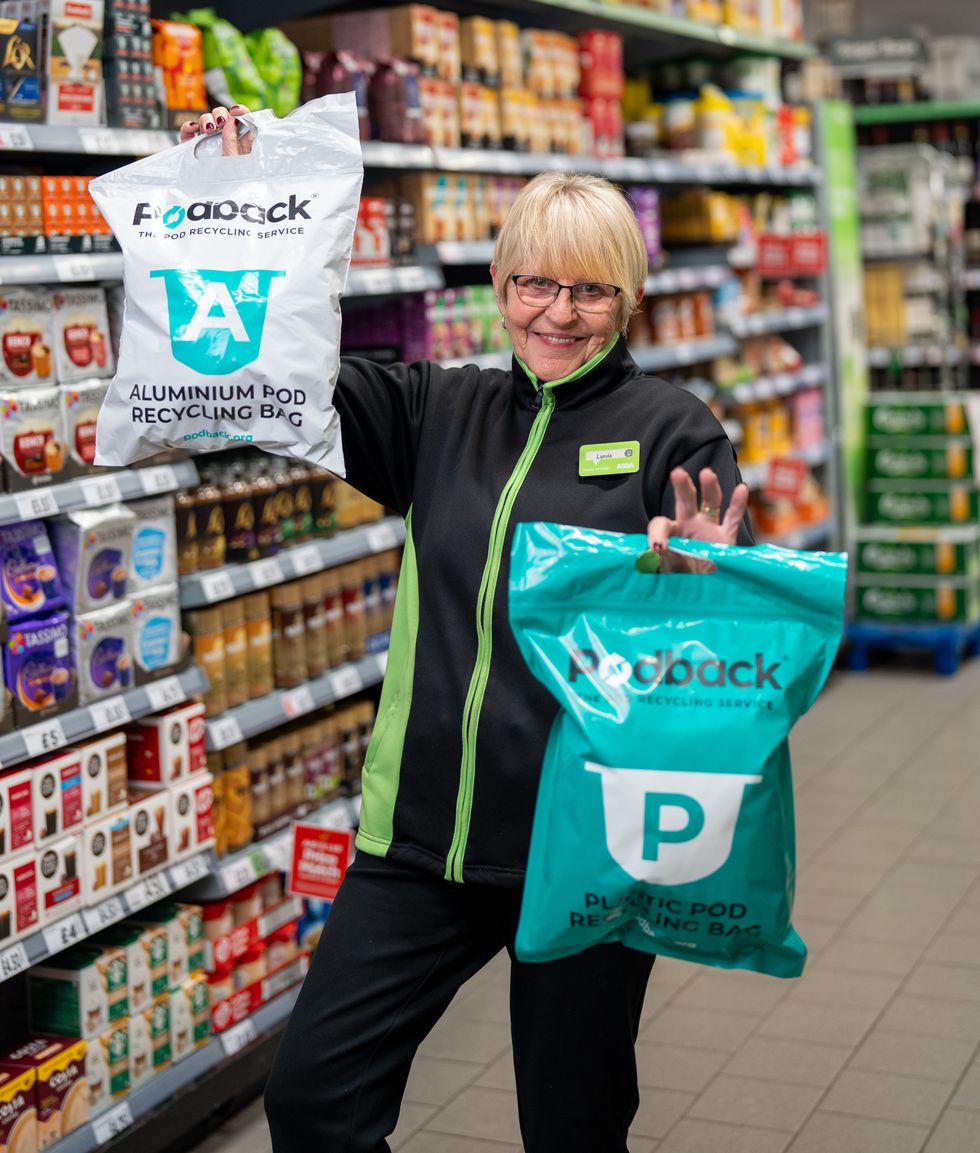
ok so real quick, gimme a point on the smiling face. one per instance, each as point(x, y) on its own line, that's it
point(556, 340)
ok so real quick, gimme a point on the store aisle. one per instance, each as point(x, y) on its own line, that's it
point(875, 1049)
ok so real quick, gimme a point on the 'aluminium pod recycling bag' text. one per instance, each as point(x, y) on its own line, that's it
point(664, 817)
point(233, 270)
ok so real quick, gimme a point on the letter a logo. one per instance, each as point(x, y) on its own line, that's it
point(216, 317)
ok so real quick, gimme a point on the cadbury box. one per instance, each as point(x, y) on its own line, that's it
point(102, 643)
point(29, 581)
point(926, 502)
point(93, 551)
point(918, 551)
point(60, 1088)
point(37, 668)
point(929, 458)
point(920, 599)
point(914, 414)
point(18, 1115)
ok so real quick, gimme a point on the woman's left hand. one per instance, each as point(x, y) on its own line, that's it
point(705, 523)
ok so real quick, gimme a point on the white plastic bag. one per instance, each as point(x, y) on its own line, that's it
point(233, 269)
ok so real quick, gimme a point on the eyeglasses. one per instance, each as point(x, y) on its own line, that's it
point(540, 291)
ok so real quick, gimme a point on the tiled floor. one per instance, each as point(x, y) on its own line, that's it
point(873, 1050)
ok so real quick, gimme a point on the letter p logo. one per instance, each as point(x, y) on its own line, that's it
point(670, 819)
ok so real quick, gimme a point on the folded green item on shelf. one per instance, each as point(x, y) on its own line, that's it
point(277, 59)
point(229, 71)
point(664, 817)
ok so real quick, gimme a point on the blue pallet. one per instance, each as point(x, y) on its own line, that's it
point(949, 643)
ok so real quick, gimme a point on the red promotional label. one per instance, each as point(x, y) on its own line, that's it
point(785, 478)
point(320, 860)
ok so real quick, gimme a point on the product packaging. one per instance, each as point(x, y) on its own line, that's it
point(80, 404)
point(80, 992)
point(59, 878)
point(29, 581)
point(190, 1016)
point(107, 854)
point(58, 797)
point(193, 815)
point(107, 1066)
point(93, 551)
point(82, 348)
point(60, 1087)
point(233, 270)
point(38, 669)
point(103, 771)
point(156, 635)
point(150, 822)
point(154, 547)
point(74, 62)
point(25, 337)
point(102, 651)
point(149, 1040)
point(137, 944)
point(19, 913)
point(16, 810)
point(20, 95)
point(664, 817)
point(18, 1116)
point(32, 438)
point(167, 746)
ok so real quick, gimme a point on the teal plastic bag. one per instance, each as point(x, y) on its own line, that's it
point(664, 816)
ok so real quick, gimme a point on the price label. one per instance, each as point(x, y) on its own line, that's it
point(99, 490)
point(381, 537)
point(76, 267)
point(106, 913)
point(109, 714)
point(15, 138)
point(237, 874)
point(142, 143)
point(63, 934)
point(278, 854)
point(235, 1039)
point(13, 961)
point(217, 586)
point(297, 702)
point(224, 732)
point(306, 559)
point(31, 505)
point(44, 738)
point(163, 694)
point(187, 872)
point(159, 479)
point(100, 141)
point(266, 572)
point(345, 681)
point(153, 888)
point(113, 1122)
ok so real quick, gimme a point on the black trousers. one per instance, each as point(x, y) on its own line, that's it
point(396, 947)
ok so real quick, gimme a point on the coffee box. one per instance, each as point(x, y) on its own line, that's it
point(20, 76)
point(193, 815)
point(32, 438)
point(25, 337)
point(108, 857)
point(917, 599)
point(18, 1116)
point(150, 821)
point(59, 877)
point(929, 458)
point(154, 547)
point(168, 746)
point(29, 581)
point(185, 937)
point(16, 810)
point(102, 643)
point(917, 414)
point(58, 797)
point(80, 992)
point(80, 404)
point(149, 1041)
point(60, 1088)
point(20, 912)
point(74, 62)
point(104, 776)
point(918, 551)
point(107, 1066)
point(93, 551)
point(190, 1016)
point(80, 326)
point(927, 502)
point(38, 669)
point(156, 631)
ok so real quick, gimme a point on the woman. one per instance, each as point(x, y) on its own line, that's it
point(449, 781)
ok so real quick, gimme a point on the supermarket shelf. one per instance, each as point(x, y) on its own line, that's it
point(94, 141)
point(921, 110)
point(755, 475)
point(780, 384)
point(807, 537)
point(206, 588)
point(268, 712)
point(381, 281)
point(135, 1111)
point(68, 269)
point(971, 279)
point(93, 491)
point(659, 357)
point(500, 360)
point(974, 354)
point(272, 855)
point(77, 927)
point(79, 724)
point(914, 355)
point(686, 279)
point(461, 251)
point(779, 320)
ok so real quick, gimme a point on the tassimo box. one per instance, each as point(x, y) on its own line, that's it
point(38, 670)
point(29, 582)
point(80, 404)
point(104, 772)
point(19, 910)
point(32, 438)
point(16, 810)
point(60, 1088)
point(25, 337)
point(154, 549)
point(93, 551)
point(156, 636)
point(102, 648)
point(166, 747)
point(82, 347)
point(57, 787)
point(59, 878)
point(18, 1116)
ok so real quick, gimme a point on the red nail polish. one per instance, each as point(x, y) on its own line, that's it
point(221, 120)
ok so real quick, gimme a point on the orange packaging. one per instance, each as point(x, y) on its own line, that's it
point(478, 49)
point(447, 36)
point(413, 33)
point(178, 54)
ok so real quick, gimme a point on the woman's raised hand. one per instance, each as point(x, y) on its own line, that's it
point(705, 523)
point(223, 120)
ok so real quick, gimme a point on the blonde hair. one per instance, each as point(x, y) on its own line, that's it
point(578, 225)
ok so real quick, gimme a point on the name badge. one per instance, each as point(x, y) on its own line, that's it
point(609, 459)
